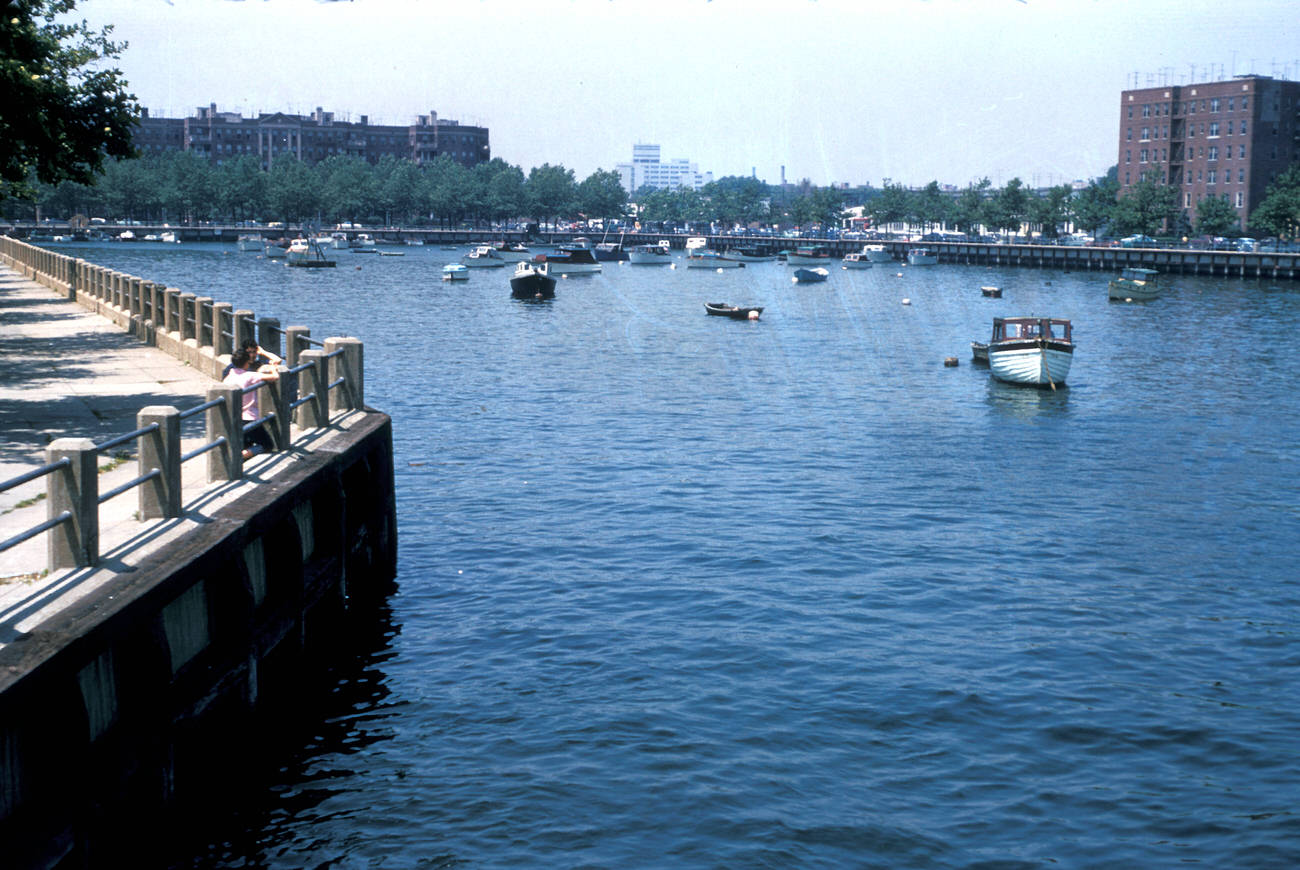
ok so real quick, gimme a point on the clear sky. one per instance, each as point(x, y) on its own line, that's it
point(833, 90)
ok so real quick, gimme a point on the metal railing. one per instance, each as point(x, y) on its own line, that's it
point(317, 379)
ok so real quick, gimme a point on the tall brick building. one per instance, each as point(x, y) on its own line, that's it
point(1228, 138)
point(220, 136)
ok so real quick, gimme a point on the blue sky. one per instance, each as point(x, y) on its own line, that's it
point(833, 90)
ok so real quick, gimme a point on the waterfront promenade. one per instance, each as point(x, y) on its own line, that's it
point(67, 372)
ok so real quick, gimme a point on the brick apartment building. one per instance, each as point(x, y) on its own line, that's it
point(220, 136)
point(1227, 138)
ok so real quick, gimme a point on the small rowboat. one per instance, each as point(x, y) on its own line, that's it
point(807, 276)
point(991, 292)
point(735, 312)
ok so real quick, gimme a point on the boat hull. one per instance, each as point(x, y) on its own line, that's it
point(1030, 362)
point(713, 262)
point(735, 312)
point(856, 261)
point(922, 260)
point(532, 285)
point(802, 260)
point(1135, 291)
point(809, 276)
point(642, 258)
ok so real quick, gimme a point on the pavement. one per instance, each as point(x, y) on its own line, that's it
point(66, 372)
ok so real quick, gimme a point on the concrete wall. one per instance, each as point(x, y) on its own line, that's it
point(125, 711)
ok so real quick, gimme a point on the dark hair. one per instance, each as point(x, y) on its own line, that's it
point(250, 344)
point(241, 358)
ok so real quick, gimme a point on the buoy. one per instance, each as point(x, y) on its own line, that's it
point(753, 315)
point(907, 301)
point(719, 270)
point(900, 274)
point(794, 280)
point(950, 361)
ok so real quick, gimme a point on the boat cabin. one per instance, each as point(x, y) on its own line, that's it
point(1138, 276)
point(1017, 328)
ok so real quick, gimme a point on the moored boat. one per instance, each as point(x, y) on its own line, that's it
point(659, 254)
point(362, 242)
point(991, 292)
point(169, 238)
point(483, 257)
point(455, 272)
point(1135, 285)
point(856, 261)
point(979, 352)
point(530, 282)
point(877, 253)
point(707, 258)
point(307, 254)
point(735, 312)
point(249, 242)
point(1030, 350)
point(751, 254)
point(922, 257)
point(815, 255)
point(569, 260)
point(512, 252)
point(810, 276)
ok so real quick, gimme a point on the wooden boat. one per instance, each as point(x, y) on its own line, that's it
point(815, 255)
point(922, 257)
point(809, 276)
point(856, 261)
point(979, 352)
point(1031, 350)
point(306, 254)
point(991, 292)
point(1135, 285)
point(531, 283)
point(735, 312)
point(455, 272)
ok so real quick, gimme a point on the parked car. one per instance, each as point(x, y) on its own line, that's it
point(1138, 241)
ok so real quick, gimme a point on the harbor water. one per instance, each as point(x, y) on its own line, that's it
point(683, 591)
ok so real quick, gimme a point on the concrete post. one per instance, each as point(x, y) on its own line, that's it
point(170, 306)
point(74, 544)
point(160, 497)
point(220, 313)
point(292, 344)
point(189, 316)
point(135, 307)
point(350, 366)
point(311, 382)
point(226, 421)
point(281, 393)
point(202, 320)
point(242, 327)
point(268, 335)
point(74, 278)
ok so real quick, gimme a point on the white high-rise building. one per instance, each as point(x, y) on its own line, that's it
point(647, 168)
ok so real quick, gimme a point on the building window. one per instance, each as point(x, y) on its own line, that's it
point(1214, 128)
point(1243, 128)
point(1142, 156)
point(1128, 156)
point(1126, 181)
point(1146, 111)
point(1241, 197)
point(1187, 200)
point(1231, 100)
point(1214, 152)
point(1146, 133)
point(1241, 176)
point(1214, 104)
point(1210, 178)
point(1200, 176)
point(1245, 103)
point(1191, 131)
point(1241, 151)
point(1130, 111)
point(1128, 134)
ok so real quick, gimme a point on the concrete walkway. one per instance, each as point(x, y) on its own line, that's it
point(65, 372)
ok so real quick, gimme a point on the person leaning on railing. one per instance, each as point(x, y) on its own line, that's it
point(258, 356)
point(245, 373)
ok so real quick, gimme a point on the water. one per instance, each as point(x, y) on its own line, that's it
point(677, 590)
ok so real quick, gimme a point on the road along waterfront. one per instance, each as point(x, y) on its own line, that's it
point(681, 590)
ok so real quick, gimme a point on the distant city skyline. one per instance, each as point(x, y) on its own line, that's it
point(836, 91)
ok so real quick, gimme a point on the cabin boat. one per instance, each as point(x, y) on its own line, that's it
point(363, 242)
point(455, 272)
point(531, 282)
point(922, 257)
point(307, 254)
point(809, 276)
point(991, 291)
point(735, 312)
point(512, 252)
point(570, 260)
point(856, 261)
point(169, 238)
point(877, 253)
point(249, 242)
point(816, 255)
point(483, 257)
point(707, 258)
point(1030, 350)
point(1135, 285)
point(274, 249)
point(651, 254)
point(751, 254)
point(126, 236)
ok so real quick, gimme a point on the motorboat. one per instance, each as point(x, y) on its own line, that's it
point(659, 254)
point(815, 255)
point(856, 261)
point(169, 237)
point(339, 240)
point(362, 242)
point(991, 291)
point(735, 312)
point(512, 252)
point(307, 254)
point(455, 272)
point(1135, 285)
point(1030, 350)
point(126, 236)
point(922, 257)
point(152, 237)
point(483, 257)
point(531, 282)
point(610, 252)
point(877, 253)
point(810, 276)
point(751, 254)
point(274, 249)
point(707, 258)
point(569, 260)
point(249, 242)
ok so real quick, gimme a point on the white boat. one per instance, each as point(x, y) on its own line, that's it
point(455, 272)
point(126, 236)
point(274, 249)
point(877, 253)
point(512, 252)
point(152, 237)
point(659, 254)
point(921, 257)
point(483, 257)
point(1030, 350)
point(1135, 285)
point(707, 258)
point(415, 243)
point(306, 253)
point(815, 255)
point(363, 241)
point(249, 242)
point(339, 240)
point(569, 260)
point(169, 237)
point(856, 261)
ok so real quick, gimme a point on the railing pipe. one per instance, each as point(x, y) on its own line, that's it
point(311, 384)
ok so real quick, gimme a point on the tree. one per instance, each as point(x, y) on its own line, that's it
point(1052, 210)
point(1279, 212)
point(61, 115)
point(968, 210)
point(293, 189)
point(891, 206)
point(241, 187)
point(1094, 207)
point(601, 195)
point(1215, 216)
point(1009, 207)
point(552, 192)
point(931, 206)
point(1146, 208)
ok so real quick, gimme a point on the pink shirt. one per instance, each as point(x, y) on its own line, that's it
point(244, 379)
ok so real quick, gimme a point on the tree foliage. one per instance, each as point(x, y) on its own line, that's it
point(1146, 208)
point(1279, 213)
point(1215, 216)
point(63, 111)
